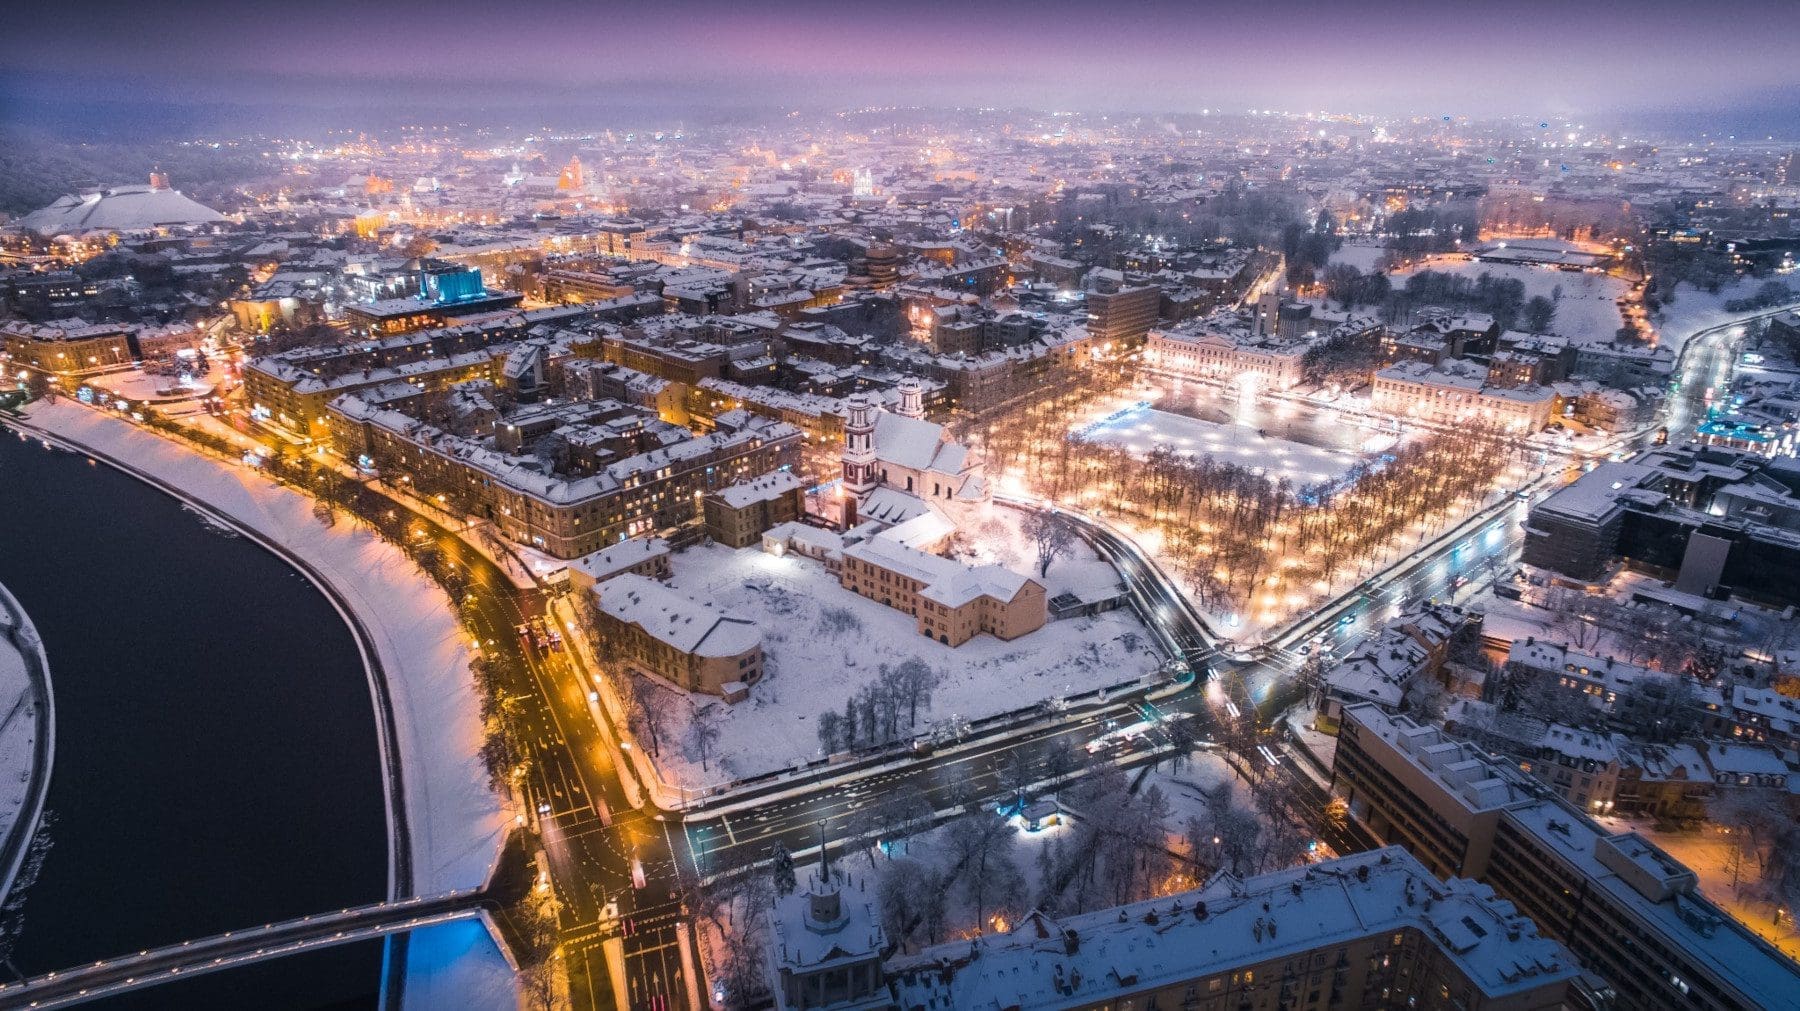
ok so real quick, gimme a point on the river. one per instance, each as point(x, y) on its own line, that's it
point(216, 761)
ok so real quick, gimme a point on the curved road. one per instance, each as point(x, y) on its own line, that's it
point(600, 848)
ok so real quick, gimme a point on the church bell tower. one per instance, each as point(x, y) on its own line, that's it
point(859, 453)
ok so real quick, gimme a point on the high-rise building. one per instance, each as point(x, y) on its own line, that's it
point(1124, 315)
point(1630, 912)
point(1711, 519)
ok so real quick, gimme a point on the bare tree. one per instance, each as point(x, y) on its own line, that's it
point(1016, 774)
point(1061, 760)
point(1426, 698)
point(914, 680)
point(705, 735)
point(831, 731)
point(912, 901)
point(1049, 537)
point(536, 921)
point(646, 705)
point(988, 875)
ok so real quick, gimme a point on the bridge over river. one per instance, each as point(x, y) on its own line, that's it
point(112, 976)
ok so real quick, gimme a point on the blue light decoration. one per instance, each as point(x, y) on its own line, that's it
point(1116, 416)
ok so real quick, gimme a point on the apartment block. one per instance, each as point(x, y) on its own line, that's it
point(1629, 911)
point(1372, 930)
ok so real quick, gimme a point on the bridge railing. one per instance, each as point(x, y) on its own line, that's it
point(283, 937)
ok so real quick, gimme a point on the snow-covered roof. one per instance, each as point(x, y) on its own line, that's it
point(917, 443)
point(830, 919)
point(1678, 917)
point(923, 531)
point(1466, 774)
point(1779, 712)
point(766, 488)
point(945, 581)
point(817, 540)
point(1378, 674)
point(1744, 760)
point(1093, 958)
point(1661, 763)
point(120, 209)
point(684, 623)
point(610, 561)
point(892, 506)
point(1617, 675)
point(1574, 742)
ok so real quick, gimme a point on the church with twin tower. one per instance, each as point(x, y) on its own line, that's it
point(897, 465)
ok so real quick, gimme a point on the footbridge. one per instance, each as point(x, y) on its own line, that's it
point(112, 976)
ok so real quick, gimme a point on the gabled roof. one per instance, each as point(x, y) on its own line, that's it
point(917, 444)
point(946, 581)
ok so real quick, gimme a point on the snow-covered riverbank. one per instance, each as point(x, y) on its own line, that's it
point(455, 820)
point(27, 735)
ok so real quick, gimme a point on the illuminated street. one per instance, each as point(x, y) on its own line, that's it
point(710, 508)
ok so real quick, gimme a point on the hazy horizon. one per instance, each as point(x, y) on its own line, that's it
point(206, 64)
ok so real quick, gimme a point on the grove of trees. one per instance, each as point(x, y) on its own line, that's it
point(1228, 531)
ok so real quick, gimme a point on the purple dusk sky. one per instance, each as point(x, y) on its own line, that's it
point(1524, 57)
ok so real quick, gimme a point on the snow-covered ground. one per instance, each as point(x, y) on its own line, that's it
point(1697, 309)
point(457, 965)
point(1364, 256)
point(998, 537)
point(812, 666)
point(1186, 787)
point(1302, 723)
point(1142, 430)
point(138, 384)
point(456, 821)
point(1587, 311)
point(1706, 851)
point(1513, 619)
point(18, 722)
